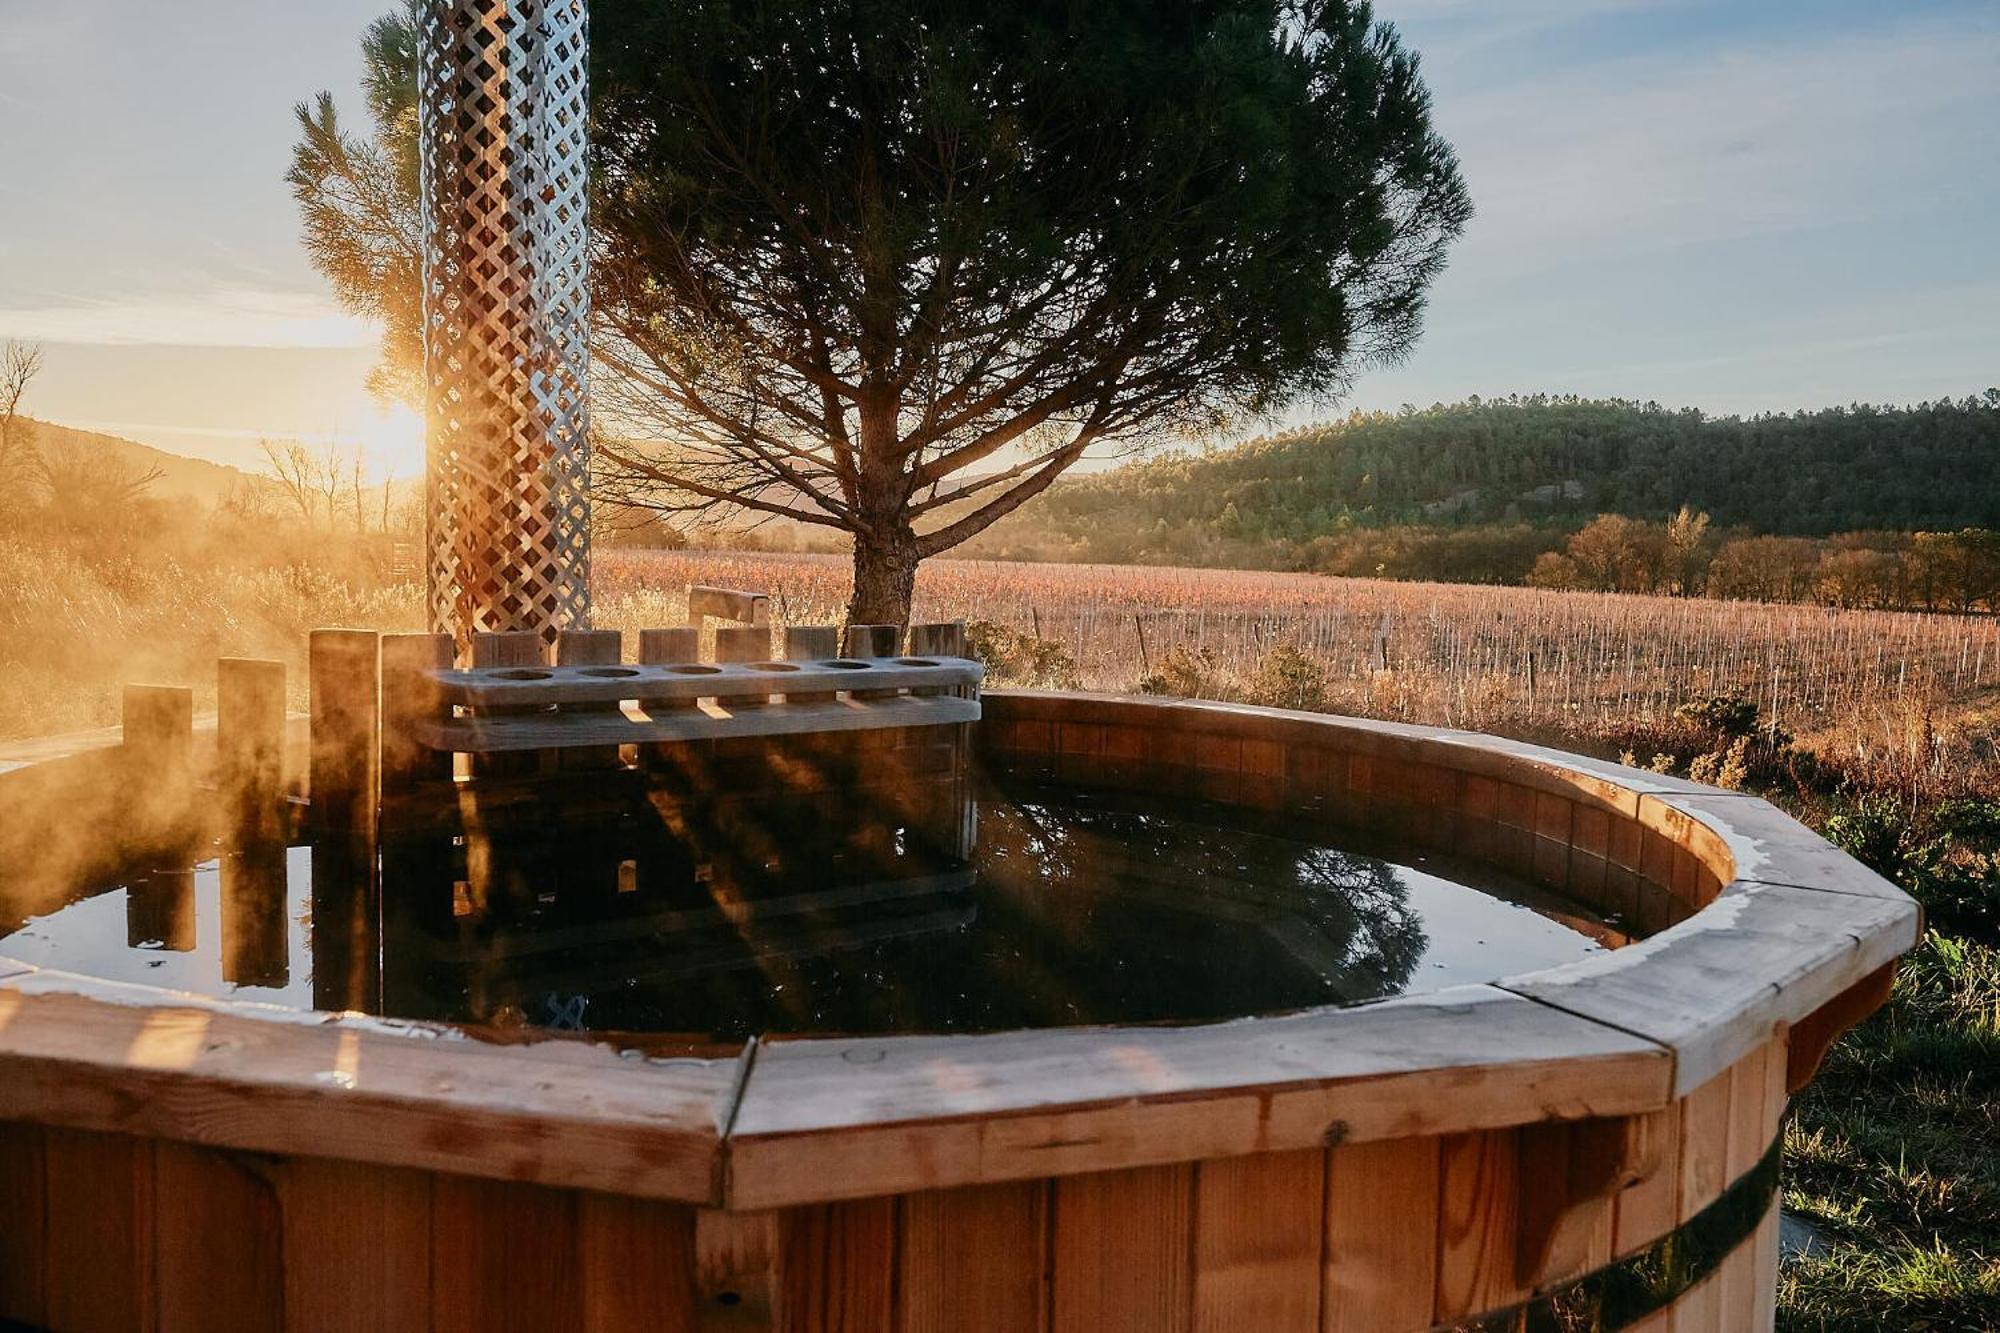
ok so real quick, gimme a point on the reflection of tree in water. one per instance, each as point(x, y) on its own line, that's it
point(1263, 921)
point(1391, 937)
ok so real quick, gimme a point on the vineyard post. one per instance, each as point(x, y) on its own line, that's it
point(1139, 620)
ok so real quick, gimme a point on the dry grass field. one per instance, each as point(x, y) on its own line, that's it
point(1916, 693)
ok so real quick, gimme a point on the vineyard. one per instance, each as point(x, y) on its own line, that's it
point(1458, 655)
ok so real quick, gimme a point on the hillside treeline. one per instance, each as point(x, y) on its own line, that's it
point(1480, 491)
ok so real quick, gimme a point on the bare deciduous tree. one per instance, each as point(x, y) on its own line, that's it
point(296, 470)
point(19, 364)
point(89, 489)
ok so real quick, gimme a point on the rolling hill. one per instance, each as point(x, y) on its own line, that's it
point(1547, 463)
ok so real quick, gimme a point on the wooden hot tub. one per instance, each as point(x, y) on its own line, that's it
point(1597, 1137)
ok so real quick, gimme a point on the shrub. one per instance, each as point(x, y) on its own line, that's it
point(1186, 674)
point(1957, 882)
point(1020, 658)
point(1723, 714)
point(1287, 678)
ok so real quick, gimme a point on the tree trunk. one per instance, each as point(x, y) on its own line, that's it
point(885, 579)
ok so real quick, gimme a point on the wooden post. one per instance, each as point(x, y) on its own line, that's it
point(159, 765)
point(342, 678)
point(871, 641)
point(934, 641)
point(664, 647)
point(250, 748)
point(410, 696)
point(811, 643)
point(590, 648)
point(743, 643)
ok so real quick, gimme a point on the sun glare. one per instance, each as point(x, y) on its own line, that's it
point(392, 438)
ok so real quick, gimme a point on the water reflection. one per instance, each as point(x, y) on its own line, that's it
point(641, 927)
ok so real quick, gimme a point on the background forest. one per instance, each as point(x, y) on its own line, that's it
point(1854, 506)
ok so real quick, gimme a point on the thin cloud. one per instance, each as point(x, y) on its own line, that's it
point(237, 317)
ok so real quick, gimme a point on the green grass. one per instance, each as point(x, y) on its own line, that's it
point(1894, 1155)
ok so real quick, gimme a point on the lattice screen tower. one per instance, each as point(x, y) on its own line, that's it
point(502, 103)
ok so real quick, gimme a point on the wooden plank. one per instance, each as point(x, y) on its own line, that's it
point(503, 1258)
point(1704, 1171)
point(561, 1113)
point(1572, 1172)
point(838, 1268)
point(1381, 1236)
point(1478, 1212)
point(1119, 1252)
point(637, 1262)
point(100, 1232)
point(342, 676)
point(542, 686)
point(751, 608)
point(1716, 987)
point(24, 1231)
point(1752, 1124)
point(871, 1116)
point(1704, 1147)
point(1763, 1311)
point(974, 1260)
point(411, 698)
point(1258, 1227)
point(740, 718)
point(1646, 1210)
point(250, 748)
point(357, 1244)
point(219, 1243)
point(736, 1270)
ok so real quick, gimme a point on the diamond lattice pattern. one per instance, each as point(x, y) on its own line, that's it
point(506, 314)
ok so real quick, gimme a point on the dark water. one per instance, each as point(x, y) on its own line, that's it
point(1076, 909)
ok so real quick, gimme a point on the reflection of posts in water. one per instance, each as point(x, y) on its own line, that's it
point(346, 930)
point(159, 910)
point(253, 917)
point(419, 887)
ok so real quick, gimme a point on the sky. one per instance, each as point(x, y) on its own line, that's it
point(1736, 206)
